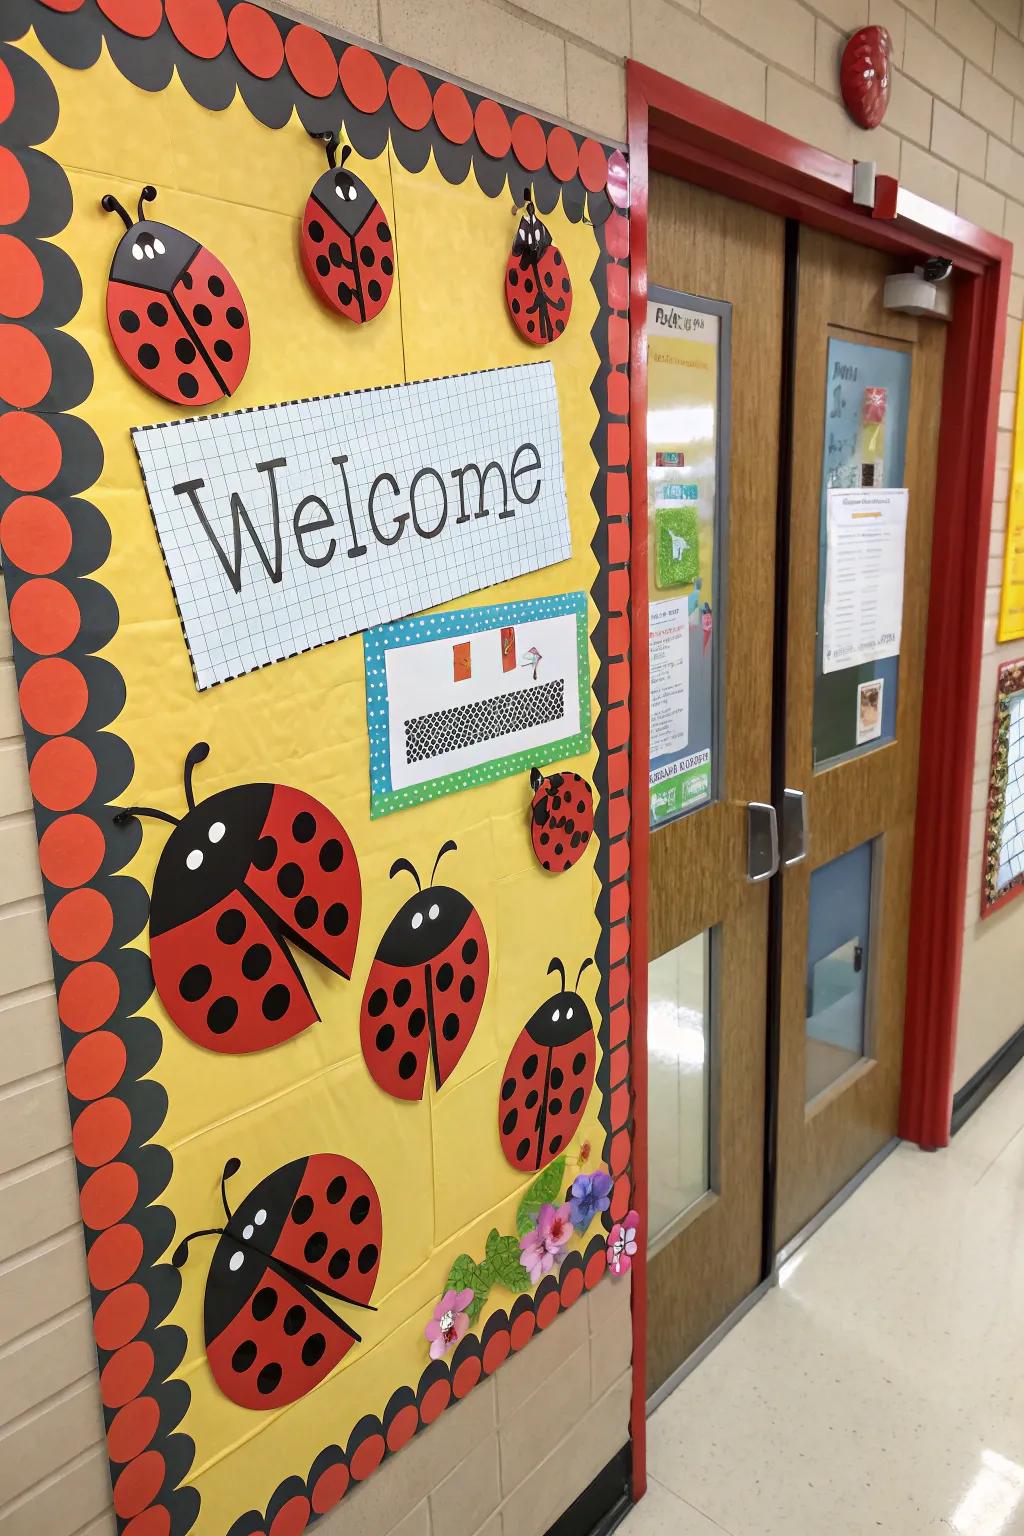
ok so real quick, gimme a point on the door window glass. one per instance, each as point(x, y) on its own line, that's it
point(837, 967)
point(679, 1083)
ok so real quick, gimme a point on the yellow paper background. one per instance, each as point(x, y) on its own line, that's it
point(240, 188)
point(1011, 605)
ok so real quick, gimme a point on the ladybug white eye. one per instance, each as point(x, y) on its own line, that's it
point(137, 251)
point(248, 1231)
point(434, 913)
point(417, 919)
point(260, 1218)
point(351, 194)
point(568, 1013)
point(149, 252)
point(158, 246)
point(237, 1259)
point(216, 832)
point(555, 1016)
point(195, 858)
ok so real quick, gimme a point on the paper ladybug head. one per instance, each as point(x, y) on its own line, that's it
point(538, 290)
point(865, 76)
point(348, 254)
point(174, 311)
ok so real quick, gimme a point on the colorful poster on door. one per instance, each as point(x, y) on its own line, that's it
point(1011, 606)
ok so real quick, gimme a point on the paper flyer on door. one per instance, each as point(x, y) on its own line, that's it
point(866, 544)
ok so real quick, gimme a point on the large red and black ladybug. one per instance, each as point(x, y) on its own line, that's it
point(538, 291)
point(548, 1078)
point(561, 818)
point(175, 312)
point(247, 869)
point(347, 249)
point(307, 1235)
point(425, 989)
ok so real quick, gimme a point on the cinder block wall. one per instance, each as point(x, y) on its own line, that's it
point(507, 1461)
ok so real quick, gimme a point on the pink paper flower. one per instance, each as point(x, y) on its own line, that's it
point(449, 1323)
point(547, 1241)
point(622, 1244)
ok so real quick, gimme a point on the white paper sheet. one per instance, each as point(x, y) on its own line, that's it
point(866, 543)
point(669, 656)
point(287, 526)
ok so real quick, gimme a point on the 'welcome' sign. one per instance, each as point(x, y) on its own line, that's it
point(286, 526)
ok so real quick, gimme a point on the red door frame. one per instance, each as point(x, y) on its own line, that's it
point(679, 130)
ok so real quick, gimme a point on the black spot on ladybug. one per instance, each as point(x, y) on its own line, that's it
point(545, 838)
point(202, 314)
point(336, 919)
point(128, 320)
point(265, 852)
point(407, 1066)
point(263, 1303)
point(188, 385)
point(304, 827)
point(336, 1189)
point(417, 1023)
point(559, 326)
point(402, 992)
point(548, 278)
point(554, 1144)
point(215, 285)
point(557, 1077)
point(387, 266)
point(557, 257)
point(445, 977)
point(307, 911)
point(315, 230)
point(374, 289)
point(508, 1088)
point(222, 1015)
point(275, 1004)
point(470, 950)
point(368, 1258)
point(532, 1098)
point(316, 1247)
point(334, 252)
point(579, 1063)
point(255, 962)
point(383, 233)
point(302, 1210)
point(467, 986)
point(338, 1264)
point(345, 293)
point(528, 284)
point(234, 317)
point(313, 1348)
point(323, 266)
point(157, 313)
point(508, 1125)
point(378, 1002)
point(224, 350)
point(231, 926)
point(530, 325)
point(184, 351)
point(555, 1107)
point(385, 1037)
point(195, 983)
point(149, 357)
point(293, 1320)
point(268, 1379)
point(331, 855)
point(450, 1027)
point(567, 288)
point(366, 255)
point(529, 1066)
point(576, 1100)
point(522, 1149)
point(243, 1356)
point(290, 880)
point(360, 1209)
point(513, 279)
point(186, 280)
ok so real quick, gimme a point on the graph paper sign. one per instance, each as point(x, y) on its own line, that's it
point(1003, 867)
point(287, 526)
point(456, 699)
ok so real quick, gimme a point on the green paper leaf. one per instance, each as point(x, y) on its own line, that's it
point(504, 1263)
point(546, 1189)
point(465, 1275)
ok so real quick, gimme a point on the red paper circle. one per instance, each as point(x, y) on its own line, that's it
point(53, 696)
point(64, 5)
point(63, 773)
point(71, 850)
point(152, 1522)
point(114, 1257)
point(593, 165)
point(362, 79)
point(403, 1426)
point(21, 278)
point(452, 112)
point(618, 179)
point(292, 1518)
point(528, 142)
point(596, 1267)
point(563, 157)
point(410, 96)
point(139, 18)
point(255, 39)
point(109, 1194)
point(100, 1132)
point(466, 1376)
point(367, 1457)
point(96, 1065)
point(139, 1483)
point(121, 1315)
point(88, 997)
point(25, 371)
point(127, 1373)
point(14, 192)
point(198, 25)
point(35, 534)
point(329, 1488)
point(44, 615)
point(547, 1309)
point(493, 130)
point(522, 1328)
point(80, 924)
point(6, 92)
point(311, 60)
point(133, 1428)
point(29, 451)
point(496, 1350)
point(435, 1400)
point(572, 1286)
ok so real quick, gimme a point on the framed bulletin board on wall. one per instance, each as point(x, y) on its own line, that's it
point(1002, 875)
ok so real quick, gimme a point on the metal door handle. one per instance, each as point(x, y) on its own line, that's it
point(762, 841)
point(794, 827)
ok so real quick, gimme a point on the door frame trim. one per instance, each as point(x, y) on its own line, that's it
point(674, 128)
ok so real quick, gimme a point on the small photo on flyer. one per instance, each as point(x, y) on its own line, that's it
point(869, 710)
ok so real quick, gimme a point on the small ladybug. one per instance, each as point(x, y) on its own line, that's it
point(348, 253)
point(561, 818)
point(865, 75)
point(306, 1235)
point(240, 873)
point(548, 1078)
point(425, 989)
point(537, 287)
point(174, 311)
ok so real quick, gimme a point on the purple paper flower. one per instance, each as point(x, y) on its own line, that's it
point(591, 1193)
point(547, 1241)
point(449, 1323)
point(622, 1244)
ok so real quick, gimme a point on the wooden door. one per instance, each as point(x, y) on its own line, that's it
point(709, 1259)
point(839, 1094)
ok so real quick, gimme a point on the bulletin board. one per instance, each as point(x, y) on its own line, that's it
point(314, 1220)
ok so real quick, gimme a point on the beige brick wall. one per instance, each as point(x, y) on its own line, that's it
point(496, 1466)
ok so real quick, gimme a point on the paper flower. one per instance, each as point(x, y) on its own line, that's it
point(547, 1241)
point(591, 1193)
point(449, 1323)
point(622, 1244)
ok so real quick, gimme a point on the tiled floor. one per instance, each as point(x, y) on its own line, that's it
point(879, 1391)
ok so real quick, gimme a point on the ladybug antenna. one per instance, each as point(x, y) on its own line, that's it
point(331, 142)
point(147, 195)
point(121, 816)
point(557, 966)
point(180, 1253)
point(579, 973)
point(110, 204)
point(449, 847)
point(403, 864)
point(197, 754)
point(230, 1167)
point(536, 779)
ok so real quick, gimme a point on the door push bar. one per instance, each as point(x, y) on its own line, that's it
point(762, 841)
point(794, 827)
